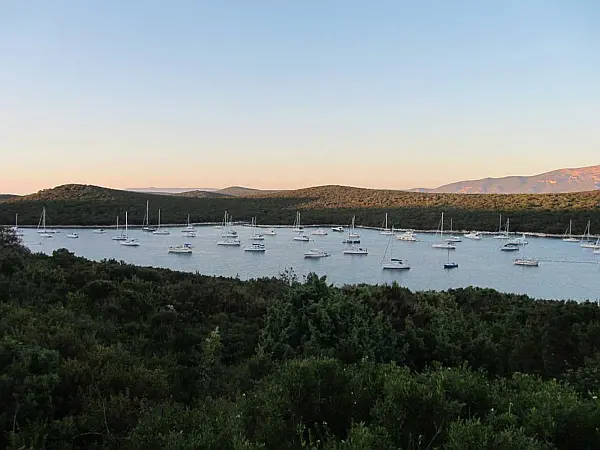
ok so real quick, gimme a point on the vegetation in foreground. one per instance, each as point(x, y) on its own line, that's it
point(106, 355)
point(79, 205)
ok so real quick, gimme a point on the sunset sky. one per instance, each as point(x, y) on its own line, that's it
point(285, 94)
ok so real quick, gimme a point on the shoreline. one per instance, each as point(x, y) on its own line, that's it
point(247, 224)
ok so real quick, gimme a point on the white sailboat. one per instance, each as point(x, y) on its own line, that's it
point(129, 242)
point(119, 237)
point(354, 250)
point(146, 224)
point(337, 229)
point(500, 234)
point(16, 230)
point(319, 232)
point(189, 229)
point(315, 253)
point(183, 249)
point(159, 230)
point(99, 231)
point(452, 238)
point(568, 237)
point(443, 244)
point(255, 235)
point(588, 242)
point(386, 231)
point(393, 263)
point(271, 232)
point(72, 235)
point(297, 227)
point(524, 261)
point(519, 240)
point(408, 236)
point(256, 247)
point(42, 226)
point(353, 234)
point(353, 237)
point(474, 235)
point(228, 236)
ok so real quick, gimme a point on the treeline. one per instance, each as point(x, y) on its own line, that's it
point(106, 355)
point(281, 211)
point(92, 205)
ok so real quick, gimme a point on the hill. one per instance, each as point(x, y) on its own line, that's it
point(4, 197)
point(167, 190)
point(201, 194)
point(335, 196)
point(93, 205)
point(240, 191)
point(556, 181)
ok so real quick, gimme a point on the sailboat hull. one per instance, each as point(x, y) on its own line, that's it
point(392, 266)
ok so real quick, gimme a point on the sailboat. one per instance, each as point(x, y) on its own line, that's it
point(129, 242)
point(99, 231)
point(568, 237)
point(73, 235)
point(408, 236)
point(386, 231)
point(474, 235)
point(524, 261)
point(443, 244)
point(189, 229)
point(588, 243)
point(393, 263)
point(228, 236)
point(119, 237)
point(256, 247)
point(353, 237)
point(16, 230)
point(42, 226)
point(500, 234)
point(452, 238)
point(183, 249)
point(450, 264)
point(146, 224)
point(256, 236)
point(320, 232)
point(296, 227)
point(511, 246)
point(159, 230)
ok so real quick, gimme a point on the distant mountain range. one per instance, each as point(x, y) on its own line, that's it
point(231, 191)
point(554, 182)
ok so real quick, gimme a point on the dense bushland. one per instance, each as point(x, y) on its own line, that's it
point(106, 355)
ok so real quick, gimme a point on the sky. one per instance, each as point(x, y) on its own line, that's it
point(286, 94)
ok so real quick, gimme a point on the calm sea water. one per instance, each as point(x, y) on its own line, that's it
point(566, 270)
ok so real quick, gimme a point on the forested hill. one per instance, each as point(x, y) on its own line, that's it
point(92, 205)
point(334, 196)
point(106, 355)
point(4, 197)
